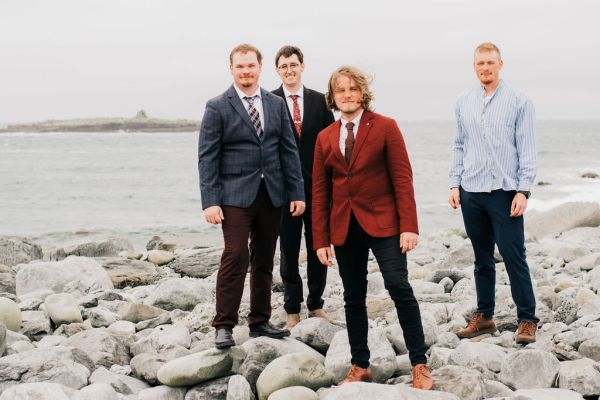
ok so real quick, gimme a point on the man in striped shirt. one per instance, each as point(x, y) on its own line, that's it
point(491, 175)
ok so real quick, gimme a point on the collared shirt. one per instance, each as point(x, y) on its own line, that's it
point(344, 131)
point(290, 102)
point(494, 145)
point(257, 103)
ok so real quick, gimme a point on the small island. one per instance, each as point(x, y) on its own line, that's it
point(140, 123)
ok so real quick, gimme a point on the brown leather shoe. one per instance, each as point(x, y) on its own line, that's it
point(319, 313)
point(358, 374)
point(292, 321)
point(422, 377)
point(478, 325)
point(526, 332)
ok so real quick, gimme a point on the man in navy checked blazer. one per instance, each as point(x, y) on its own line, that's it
point(248, 164)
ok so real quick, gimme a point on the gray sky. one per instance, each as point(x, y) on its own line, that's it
point(71, 59)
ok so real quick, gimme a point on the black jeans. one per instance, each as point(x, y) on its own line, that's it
point(352, 259)
point(488, 221)
point(289, 242)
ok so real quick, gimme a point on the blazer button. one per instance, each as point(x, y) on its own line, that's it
point(349, 176)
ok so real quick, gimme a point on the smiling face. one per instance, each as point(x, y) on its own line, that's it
point(290, 71)
point(348, 97)
point(245, 69)
point(487, 66)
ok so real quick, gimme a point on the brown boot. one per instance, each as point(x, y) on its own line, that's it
point(478, 325)
point(358, 374)
point(526, 332)
point(422, 377)
point(319, 313)
point(292, 321)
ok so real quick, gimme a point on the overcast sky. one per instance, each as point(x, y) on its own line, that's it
point(71, 59)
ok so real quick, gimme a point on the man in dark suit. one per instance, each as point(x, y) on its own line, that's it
point(308, 115)
point(249, 166)
point(363, 199)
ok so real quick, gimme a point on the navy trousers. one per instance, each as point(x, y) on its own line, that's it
point(488, 222)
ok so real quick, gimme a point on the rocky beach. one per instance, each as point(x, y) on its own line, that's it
point(104, 321)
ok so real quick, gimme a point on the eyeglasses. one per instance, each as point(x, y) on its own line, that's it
point(283, 67)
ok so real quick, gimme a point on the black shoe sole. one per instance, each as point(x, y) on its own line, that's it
point(478, 333)
point(524, 342)
point(273, 336)
point(224, 345)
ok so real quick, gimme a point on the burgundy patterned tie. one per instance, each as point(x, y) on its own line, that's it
point(254, 116)
point(296, 115)
point(349, 144)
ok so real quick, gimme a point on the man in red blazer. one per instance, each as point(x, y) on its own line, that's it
point(363, 199)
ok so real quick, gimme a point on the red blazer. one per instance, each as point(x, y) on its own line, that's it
point(377, 186)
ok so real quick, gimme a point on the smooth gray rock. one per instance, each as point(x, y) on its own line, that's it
point(196, 263)
point(467, 384)
point(439, 357)
point(82, 273)
point(162, 393)
point(145, 366)
point(163, 338)
point(160, 257)
point(295, 369)
point(107, 248)
point(587, 262)
point(454, 274)
point(122, 384)
point(8, 283)
point(137, 312)
point(590, 349)
point(162, 319)
point(395, 335)
point(96, 391)
point(238, 388)
point(122, 328)
point(67, 366)
point(62, 308)
point(581, 376)
point(383, 357)
point(448, 340)
point(10, 314)
point(215, 389)
point(477, 355)
point(545, 394)
point(294, 392)
point(196, 368)
point(38, 391)
point(35, 324)
point(102, 346)
point(101, 317)
point(529, 369)
point(2, 339)
point(496, 389)
point(368, 391)
point(51, 341)
point(126, 272)
point(18, 250)
point(315, 332)
point(181, 293)
point(563, 218)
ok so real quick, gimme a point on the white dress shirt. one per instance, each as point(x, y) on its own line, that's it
point(344, 131)
point(290, 102)
point(257, 103)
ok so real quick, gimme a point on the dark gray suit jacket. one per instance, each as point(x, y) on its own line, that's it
point(231, 157)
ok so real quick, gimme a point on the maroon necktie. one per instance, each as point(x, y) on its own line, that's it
point(296, 115)
point(349, 145)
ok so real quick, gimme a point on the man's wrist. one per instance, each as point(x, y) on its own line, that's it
point(525, 193)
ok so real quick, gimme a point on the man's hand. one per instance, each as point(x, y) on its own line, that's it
point(325, 256)
point(408, 241)
point(454, 199)
point(297, 208)
point(518, 206)
point(213, 215)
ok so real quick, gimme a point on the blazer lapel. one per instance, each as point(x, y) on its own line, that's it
point(236, 102)
point(361, 135)
point(335, 143)
point(308, 102)
point(267, 109)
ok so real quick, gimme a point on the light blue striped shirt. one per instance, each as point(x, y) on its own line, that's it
point(494, 146)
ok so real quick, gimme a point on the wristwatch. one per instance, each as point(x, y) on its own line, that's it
point(525, 193)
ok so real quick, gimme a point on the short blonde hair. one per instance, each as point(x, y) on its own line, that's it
point(486, 47)
point(243, 49)
point(361, 79)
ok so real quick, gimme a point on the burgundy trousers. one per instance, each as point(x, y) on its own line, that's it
point(260, 223)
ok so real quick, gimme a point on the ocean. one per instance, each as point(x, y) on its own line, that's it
point(66, 188)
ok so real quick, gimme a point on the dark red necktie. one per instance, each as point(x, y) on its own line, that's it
point(296, 115)
point(349, 144)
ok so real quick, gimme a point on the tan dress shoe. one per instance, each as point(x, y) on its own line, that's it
point(319, 313)
point(422, 377)
point(358, 374)
point(478, 325)
point(526, 332)
point(292, 320)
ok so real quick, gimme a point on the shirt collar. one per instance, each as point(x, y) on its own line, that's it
point(355, 121)
point(500, 84)
point(242, 94)
point(287, 93)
